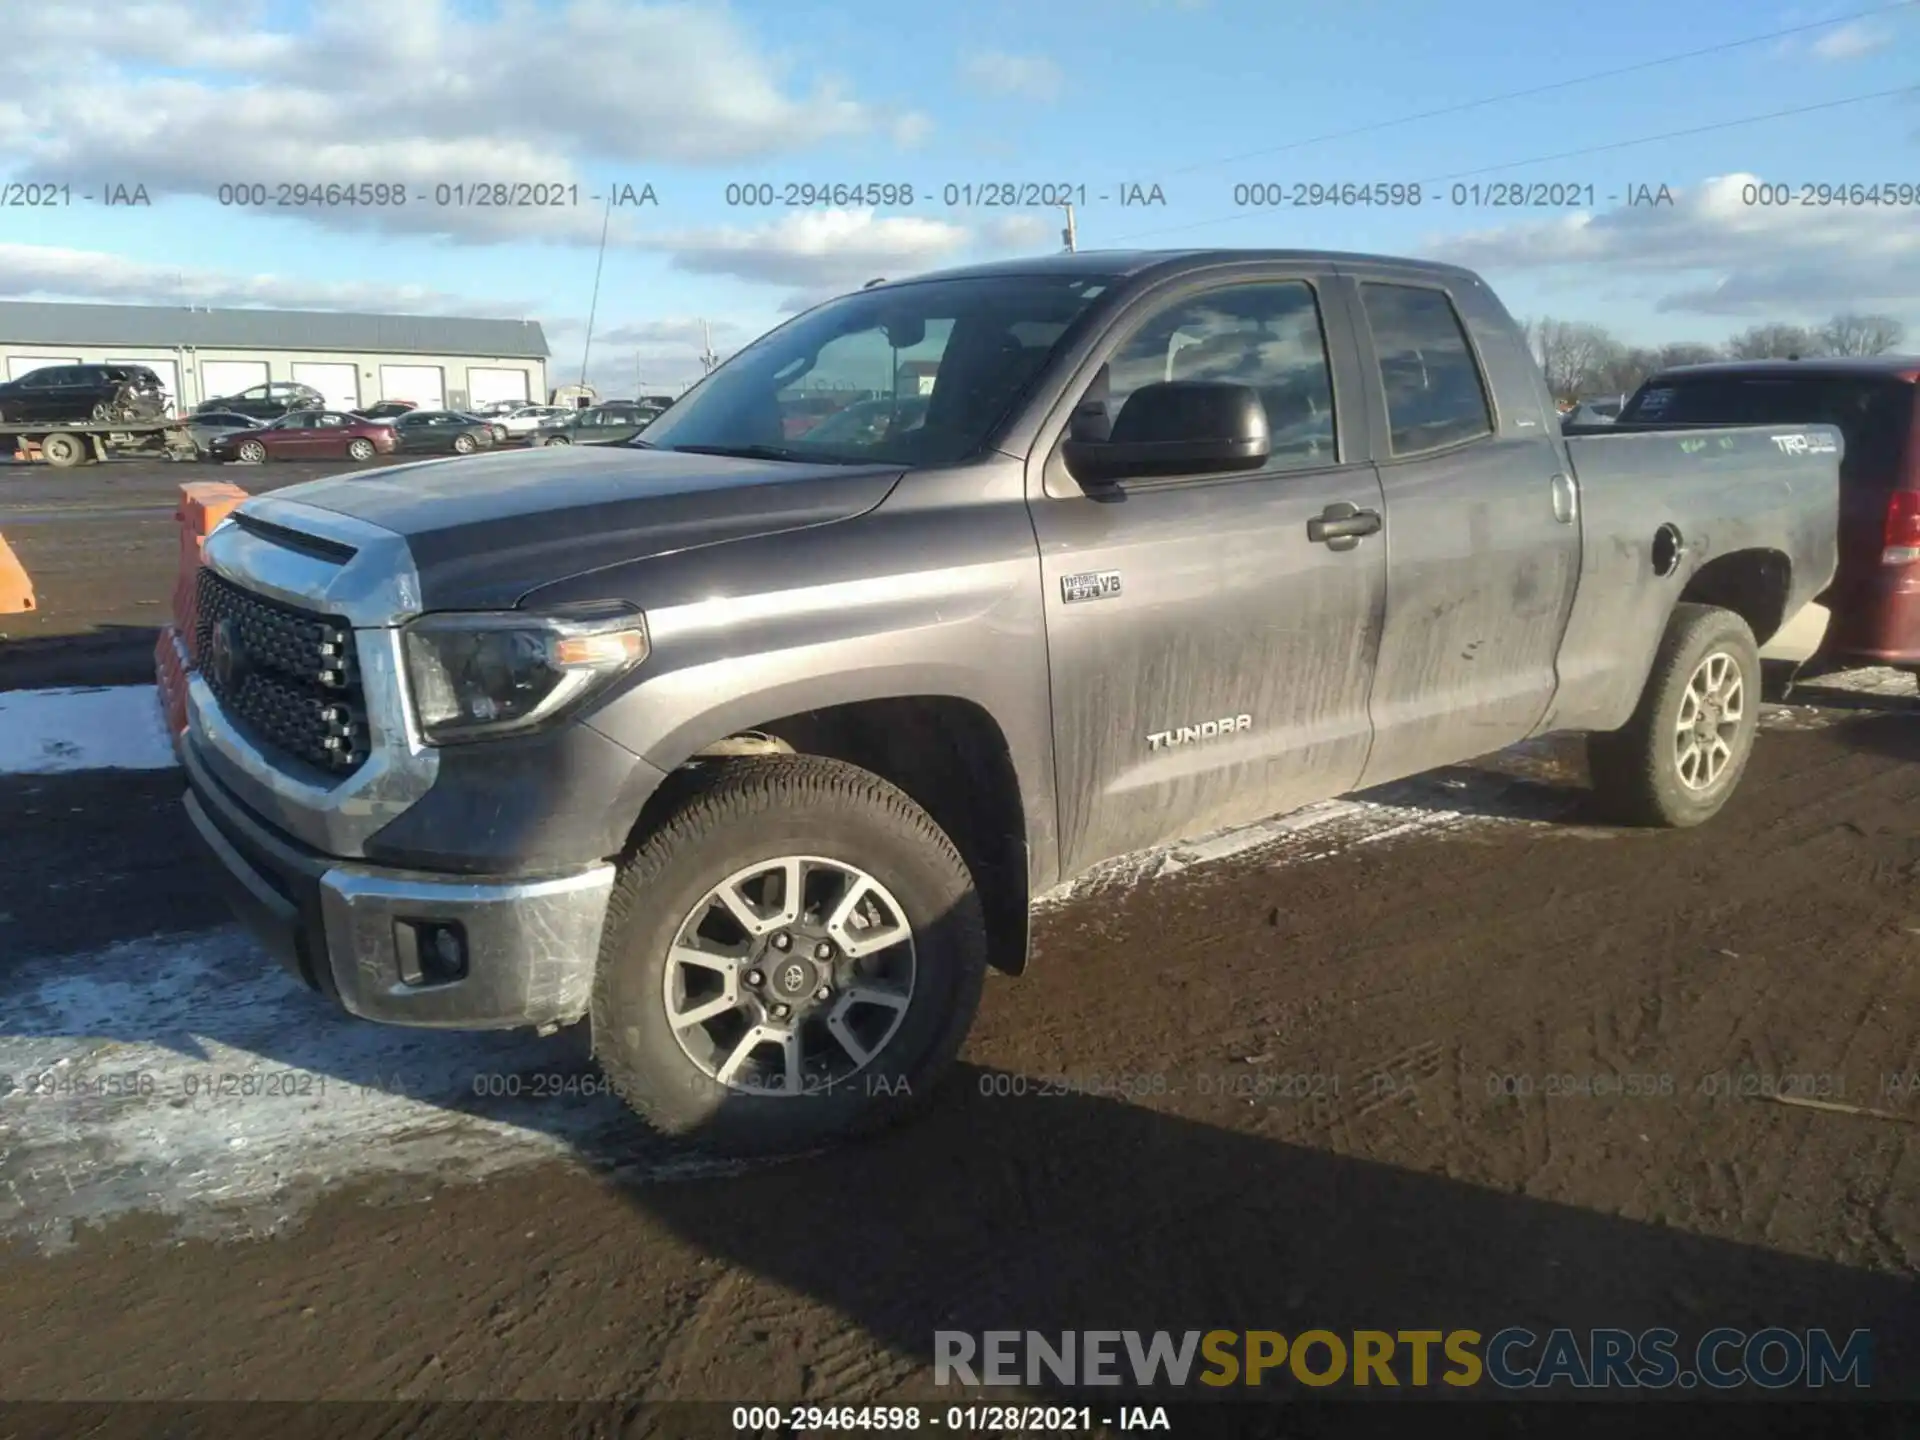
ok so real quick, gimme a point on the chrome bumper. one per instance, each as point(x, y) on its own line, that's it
point(530, 945)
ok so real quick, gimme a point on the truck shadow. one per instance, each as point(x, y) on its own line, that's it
point(1011, 1209)
point(105, 655)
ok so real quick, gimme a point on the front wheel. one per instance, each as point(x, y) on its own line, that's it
point(795, 955)
point(252, 452)
point(557, 440)
point(1676, 762)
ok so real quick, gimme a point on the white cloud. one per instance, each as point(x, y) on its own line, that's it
point(1022, 233)
point(1851, 41)
point(185, 95)
point(1712, 253)
point(1027, 77)
point(683, 332)
point(815, 249)
point(57, 273)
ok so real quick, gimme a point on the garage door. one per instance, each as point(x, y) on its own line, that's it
point(18, 365)
point(167, 370)
point(485, 387)
point(424, 385)
point(339, 383)
point(219, 378)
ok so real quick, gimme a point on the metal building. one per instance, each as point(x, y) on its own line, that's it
point(438, 362)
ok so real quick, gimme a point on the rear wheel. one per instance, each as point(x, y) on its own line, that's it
point(1676, 762)
point(64, 451)
point(252, 452)
point(794, 956)
point(463, 444)
point(360, 450)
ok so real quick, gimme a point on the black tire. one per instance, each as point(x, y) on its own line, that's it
point(557, 440)
point(63, 451)
point(360, 451)
point(1637, 771)
point(463, 444)
point(252, 452)
point(731, 817)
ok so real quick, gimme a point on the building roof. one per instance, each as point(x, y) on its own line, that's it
point(49, 323)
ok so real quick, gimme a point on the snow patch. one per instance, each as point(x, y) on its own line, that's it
point(193, 1078)
point(117, 727)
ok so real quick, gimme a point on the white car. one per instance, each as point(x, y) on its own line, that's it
point(529, 418)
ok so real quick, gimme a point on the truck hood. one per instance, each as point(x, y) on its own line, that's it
point(485, 530)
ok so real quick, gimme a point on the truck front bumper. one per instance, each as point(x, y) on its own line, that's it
point(364, 935)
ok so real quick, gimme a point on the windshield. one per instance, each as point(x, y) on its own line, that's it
point(1874, 415)
point(968, 349)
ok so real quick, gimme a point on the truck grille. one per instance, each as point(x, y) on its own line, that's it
point(290, 678)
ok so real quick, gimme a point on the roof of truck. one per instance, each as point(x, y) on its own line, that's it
point(1129, 263)
point(1903, 367)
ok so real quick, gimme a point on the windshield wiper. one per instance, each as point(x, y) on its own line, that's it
point(748, 452)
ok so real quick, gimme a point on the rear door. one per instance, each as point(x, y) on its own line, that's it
point(1482, 537)
point(328, 433)
point(1210, 660)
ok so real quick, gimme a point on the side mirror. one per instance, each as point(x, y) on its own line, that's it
point(1177, 427)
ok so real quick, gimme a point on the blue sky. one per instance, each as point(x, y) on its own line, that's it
point(183, 95)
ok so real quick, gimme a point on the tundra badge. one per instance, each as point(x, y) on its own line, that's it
point(1089, 585)
point(1205, 730)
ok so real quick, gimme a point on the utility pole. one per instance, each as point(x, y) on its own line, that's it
point(708, 360)
point(1069, 235)
point(593, 305)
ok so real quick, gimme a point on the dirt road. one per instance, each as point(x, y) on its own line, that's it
point(1448, 1059)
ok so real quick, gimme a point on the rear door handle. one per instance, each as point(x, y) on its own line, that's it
point(1340, 526)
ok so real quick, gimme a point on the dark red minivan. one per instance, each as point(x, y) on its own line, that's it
point(1875, 595)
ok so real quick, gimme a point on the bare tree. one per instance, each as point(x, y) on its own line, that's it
point(1624, 370)
point(1572, 354)
point(1862, 334)
point(1774, 342)
point(1687, 352)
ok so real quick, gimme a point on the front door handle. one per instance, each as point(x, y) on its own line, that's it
point(1340, 526)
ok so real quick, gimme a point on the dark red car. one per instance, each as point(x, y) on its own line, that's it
point(1875, 596)
point(307, 435)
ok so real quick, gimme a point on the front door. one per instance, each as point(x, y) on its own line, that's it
point(1211, 659)
point(1482, 541)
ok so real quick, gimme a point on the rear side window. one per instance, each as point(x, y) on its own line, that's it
point(1875, 415)
point(1427, 370)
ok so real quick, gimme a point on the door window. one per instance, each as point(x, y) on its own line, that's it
point(1266, 336)
point(1428, 374)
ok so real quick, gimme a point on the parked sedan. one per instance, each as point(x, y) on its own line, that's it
point(84, 393)
point(307, 435)
point(213, 425)
point(439, 432)
point(521, 423)
point(602, 425)
point(267, 402)
point(496, 432)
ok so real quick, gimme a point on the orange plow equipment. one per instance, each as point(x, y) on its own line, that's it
point(16, 591)
point(203, 505)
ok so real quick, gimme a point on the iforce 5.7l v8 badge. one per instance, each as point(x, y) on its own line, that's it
point(1089, 585)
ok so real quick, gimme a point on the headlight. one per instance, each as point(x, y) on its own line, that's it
point(473, 676)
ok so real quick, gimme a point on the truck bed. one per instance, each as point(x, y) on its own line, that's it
point(1682, 496)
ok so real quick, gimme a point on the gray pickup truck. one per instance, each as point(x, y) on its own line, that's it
point(751, 751)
